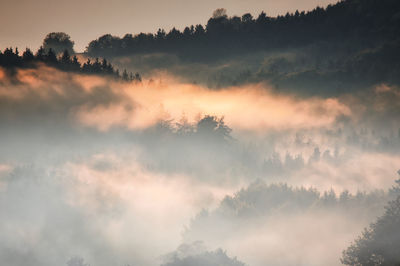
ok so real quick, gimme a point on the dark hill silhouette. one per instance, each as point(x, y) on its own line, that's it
point(349, 45)
point(361, 23)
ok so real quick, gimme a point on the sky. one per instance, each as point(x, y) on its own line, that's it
point(25, 23)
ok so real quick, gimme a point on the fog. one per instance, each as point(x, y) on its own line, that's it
point(172, 172)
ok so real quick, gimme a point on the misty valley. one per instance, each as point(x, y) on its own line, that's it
point(250, 140)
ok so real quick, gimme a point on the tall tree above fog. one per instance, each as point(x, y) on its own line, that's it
point(58, 42)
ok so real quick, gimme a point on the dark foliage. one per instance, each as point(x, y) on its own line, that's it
point(262, 199)
point(380, 243)
point(11, 59)
point(58, 42)
point(349, 45)
point(363, 23)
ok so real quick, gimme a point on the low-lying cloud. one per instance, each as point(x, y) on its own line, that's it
point(113, 172)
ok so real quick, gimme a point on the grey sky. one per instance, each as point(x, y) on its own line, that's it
point(25, 22)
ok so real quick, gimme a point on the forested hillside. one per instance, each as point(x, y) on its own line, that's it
point(365, 23)
point(352, 44)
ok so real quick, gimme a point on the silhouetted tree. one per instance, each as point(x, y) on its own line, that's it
point(65, 58)
point(160, 34)
point(137, 77)
point(87, 67)
point(211, 126)
point(10, 58)
point(58, 42)
point(28, 56)
point(219, 12)
point(199, 30)
point(247, 18)
point(51, 57)
point(40, 54)
point(76, 66)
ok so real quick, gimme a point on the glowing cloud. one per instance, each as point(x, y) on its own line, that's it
point(252, 107)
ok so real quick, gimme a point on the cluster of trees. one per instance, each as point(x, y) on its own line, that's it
point(202, 148)
point(209, 258)
point(58, 42)
point(262, 199)
point(362, 22)
point(352, 44)
point(379, 244)
point(275, 166)
point(207, 128)
point(11, 58)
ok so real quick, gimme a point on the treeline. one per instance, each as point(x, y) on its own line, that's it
point(262, 199)
point(379, 243)
point(363, 23)
point(11, 58)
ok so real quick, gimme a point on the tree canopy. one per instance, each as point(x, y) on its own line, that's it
point(350, 45)
point(11, 58)
point(58, 42)
point(380, 243)
point(358, 23)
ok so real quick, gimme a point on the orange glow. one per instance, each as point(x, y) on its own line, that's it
point(2, 74)
point(252, 107)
